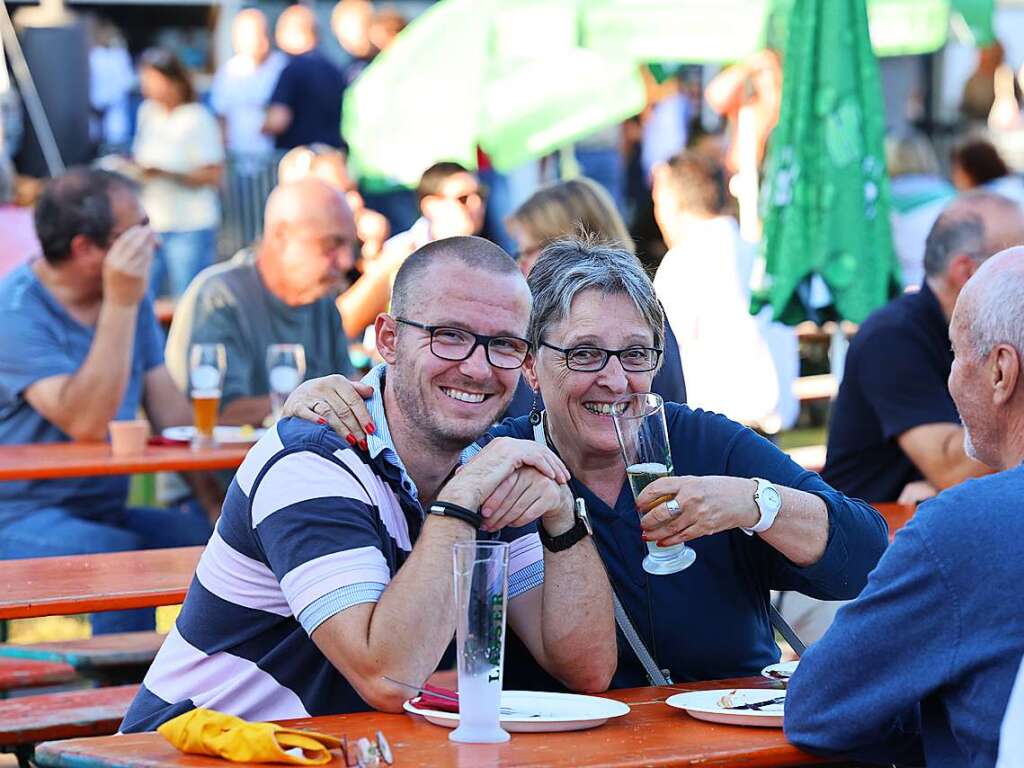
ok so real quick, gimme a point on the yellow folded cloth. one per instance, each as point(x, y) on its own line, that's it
point(206, 732)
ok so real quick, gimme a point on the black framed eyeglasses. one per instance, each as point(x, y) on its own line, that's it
point(456, 344)
point(589, 359)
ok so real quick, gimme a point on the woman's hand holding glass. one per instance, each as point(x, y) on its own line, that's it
point(707, 505)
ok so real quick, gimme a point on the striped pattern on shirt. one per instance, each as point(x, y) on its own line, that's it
point(309, 528)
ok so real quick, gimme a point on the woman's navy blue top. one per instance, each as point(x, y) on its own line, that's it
point(711, 621)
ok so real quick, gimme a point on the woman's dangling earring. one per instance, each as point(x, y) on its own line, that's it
point(534, 410)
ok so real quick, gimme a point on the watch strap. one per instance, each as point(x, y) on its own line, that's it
point(767, 517)
point(579, 531)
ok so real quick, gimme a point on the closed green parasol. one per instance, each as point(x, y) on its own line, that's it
point(826, 192)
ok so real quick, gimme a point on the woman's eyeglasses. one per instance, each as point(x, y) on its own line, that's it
point(589, 359)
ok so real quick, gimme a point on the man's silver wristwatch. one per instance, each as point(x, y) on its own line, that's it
point(769, 502)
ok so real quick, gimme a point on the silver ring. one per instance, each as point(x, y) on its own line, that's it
point(673, 508)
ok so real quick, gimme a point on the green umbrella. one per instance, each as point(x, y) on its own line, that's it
point(507, 75)
point(826, 193)
point(710, 31)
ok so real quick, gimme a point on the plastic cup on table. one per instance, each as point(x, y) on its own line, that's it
point(128, 437)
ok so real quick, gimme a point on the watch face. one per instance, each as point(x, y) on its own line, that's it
point(772, 497)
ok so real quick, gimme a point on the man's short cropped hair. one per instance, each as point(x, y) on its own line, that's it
point(960, 228)
point(697, 182)
point(77, 203)
point(435, 176)
point(473, 252)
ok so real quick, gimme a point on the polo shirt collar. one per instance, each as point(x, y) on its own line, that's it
point(931, 302)
point(380, 445)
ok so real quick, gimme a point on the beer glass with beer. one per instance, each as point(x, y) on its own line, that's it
point(207, 364)
point(286, 367)
point(643, 436)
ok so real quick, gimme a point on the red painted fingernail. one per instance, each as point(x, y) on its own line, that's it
point(351, 440)
point(321, 422)
point(370, 429)
point(362, 444)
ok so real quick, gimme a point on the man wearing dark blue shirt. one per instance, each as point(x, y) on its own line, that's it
point(894, 424)
point(919, 668)
point(305, 107)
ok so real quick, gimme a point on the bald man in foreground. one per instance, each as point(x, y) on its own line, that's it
point(919, 668)
point(280, 291)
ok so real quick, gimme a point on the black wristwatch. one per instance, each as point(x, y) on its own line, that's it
point(579, 531)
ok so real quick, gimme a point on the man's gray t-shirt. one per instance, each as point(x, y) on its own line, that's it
point(41, 340)
point(234, 308)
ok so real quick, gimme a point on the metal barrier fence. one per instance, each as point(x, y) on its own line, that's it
point(247, 183)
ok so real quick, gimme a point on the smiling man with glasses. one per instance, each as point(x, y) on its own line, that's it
point(331, 567)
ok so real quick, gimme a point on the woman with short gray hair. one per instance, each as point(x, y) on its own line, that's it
point(756, 520)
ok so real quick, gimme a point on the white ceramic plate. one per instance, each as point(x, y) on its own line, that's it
point(781, 671)
point(224, 435)
point(707, 705)
point(540, 711)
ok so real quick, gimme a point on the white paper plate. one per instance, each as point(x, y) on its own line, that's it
point(540, 711)
point(224, 435)
point(706, 705)
point(781, 671)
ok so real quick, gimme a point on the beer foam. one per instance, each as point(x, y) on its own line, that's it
point(206, 394)
point(283, 378)
point(205, 377)
point(650, 468)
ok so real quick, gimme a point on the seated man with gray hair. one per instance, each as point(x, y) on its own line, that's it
point(330, 571)
point(894, 432)
point(919, 668)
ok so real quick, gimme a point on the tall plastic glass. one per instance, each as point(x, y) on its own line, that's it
point(206, 369)
point(643, 436)
point(286, 367)
point(481, 595)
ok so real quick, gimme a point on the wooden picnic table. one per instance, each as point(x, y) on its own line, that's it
point(651, 734)
point(51, 586)
point(164, 310)
point(896, 515)
point(54, 460)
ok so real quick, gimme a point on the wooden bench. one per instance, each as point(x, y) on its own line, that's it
point(810, 457)
point(111, 658)
point(114, 581)
point(28, 720)
point(33, 673)
point(813, 388)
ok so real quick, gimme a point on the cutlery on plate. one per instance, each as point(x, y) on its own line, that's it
point(758, 705)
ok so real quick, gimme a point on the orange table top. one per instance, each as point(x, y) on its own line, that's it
point(652, 734)
point(49, 586)
point(51, 460)
point(896, 515)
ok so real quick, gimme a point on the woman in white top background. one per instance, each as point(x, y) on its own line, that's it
point(180, 154)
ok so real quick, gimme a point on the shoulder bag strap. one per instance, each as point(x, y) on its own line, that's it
point(655, 676)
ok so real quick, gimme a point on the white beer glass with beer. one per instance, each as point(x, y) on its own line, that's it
point(207, 365)
point(643, 436)
point(286, 367)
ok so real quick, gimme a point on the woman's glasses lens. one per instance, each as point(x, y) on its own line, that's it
point(634, 360)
